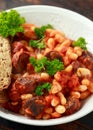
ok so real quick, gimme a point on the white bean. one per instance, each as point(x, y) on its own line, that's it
point(81, 72)
point(85, 82)
point(56, 87)
point(82, 88)
point(60, 109)
point(55, 101)
point(62, 98)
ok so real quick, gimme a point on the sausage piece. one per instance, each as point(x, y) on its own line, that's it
point(54, 55)
point(24, 85)
point(76, 64)
point(19, 61)
point(73, 105)
point(87, 60)
point(35, 106)
point(17, 46)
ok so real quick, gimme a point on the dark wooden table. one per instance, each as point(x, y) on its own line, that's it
point(84, 7)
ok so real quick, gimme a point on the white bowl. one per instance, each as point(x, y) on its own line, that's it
point(73, 25)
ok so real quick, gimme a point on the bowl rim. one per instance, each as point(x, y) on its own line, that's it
point(53, 8)
point(17, 118)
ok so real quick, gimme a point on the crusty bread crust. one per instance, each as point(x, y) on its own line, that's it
point(5, 63)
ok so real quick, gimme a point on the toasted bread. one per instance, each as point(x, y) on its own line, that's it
point(5, 63)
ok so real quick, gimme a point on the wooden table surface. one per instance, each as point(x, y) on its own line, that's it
point(84, 7)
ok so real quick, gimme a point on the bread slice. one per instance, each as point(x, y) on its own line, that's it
point(5, 63)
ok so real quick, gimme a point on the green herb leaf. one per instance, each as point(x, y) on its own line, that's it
point(33, 43)
point(38, 64)
point(40, 88)
point(37, 44)
point(41, 64)
point(53, 66)
point(81, 43)
point(41, 31)
point(10, 23)
point(41, 45)
point(33, 61)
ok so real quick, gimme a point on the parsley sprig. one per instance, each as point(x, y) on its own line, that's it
point(53, 66)
point(37, 43)
point(50, 66)
point(39, 89)
point(10, 23)
point(38, 64)
point(81, 42)
point(41, 31)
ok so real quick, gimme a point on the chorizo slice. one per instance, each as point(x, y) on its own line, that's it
point(87, 59)
point(72, 105)
point(17, 46)
point(19, 61)
point(35, 106)
point(54, 55)
point(76, 64)
point(24, 85)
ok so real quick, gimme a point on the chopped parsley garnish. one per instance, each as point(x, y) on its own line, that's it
point(10, 23)
point(37, 43)
point(50, 66)
point(38, 64)
point(81, 43)
point(41, 31)
point(39, 89)
point(53, 66)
